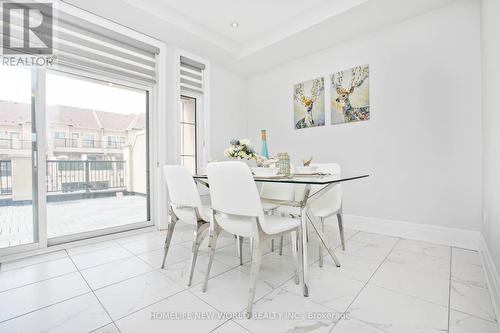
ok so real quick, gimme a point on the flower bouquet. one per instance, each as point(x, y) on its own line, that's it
point(241, 149)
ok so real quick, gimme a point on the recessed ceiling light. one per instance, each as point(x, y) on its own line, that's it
point(234, 24)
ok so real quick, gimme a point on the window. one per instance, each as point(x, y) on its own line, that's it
point(74, 139)
point(116, 142)
point(105, 81)
point(112, 192)
point(4, 140)
point(192, 116)
point(188, 133)
point(88, 140)
point(111, 141)
point(17, 205)
point(60, 135)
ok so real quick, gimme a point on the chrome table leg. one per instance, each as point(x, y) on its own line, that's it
point(303, 248)
point(320, 245)
point(322, 237)
point(293, 236)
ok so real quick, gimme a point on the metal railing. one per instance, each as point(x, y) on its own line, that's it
point(5, 177)
point(15, 144)
point(73, 176)
point(79, 143)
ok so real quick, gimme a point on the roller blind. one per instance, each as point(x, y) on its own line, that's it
point(84, 45)
point(191, 75)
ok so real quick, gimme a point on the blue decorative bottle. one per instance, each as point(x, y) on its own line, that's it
point(263, 151)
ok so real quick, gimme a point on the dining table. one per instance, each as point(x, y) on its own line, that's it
point(315, 186)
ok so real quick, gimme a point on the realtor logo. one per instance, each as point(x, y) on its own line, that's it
point(27, 28)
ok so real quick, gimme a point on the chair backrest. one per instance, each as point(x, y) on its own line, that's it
point(277, 191)
point(182, 191)
point(332, 198)
point(233, 189)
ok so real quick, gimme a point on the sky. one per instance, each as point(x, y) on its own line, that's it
point(15, 86)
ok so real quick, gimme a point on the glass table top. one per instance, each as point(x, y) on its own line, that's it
point(312, 179)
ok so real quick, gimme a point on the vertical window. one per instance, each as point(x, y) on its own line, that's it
point(74, 139)
point(88, 140)
point(188, 133)
point(192, 84)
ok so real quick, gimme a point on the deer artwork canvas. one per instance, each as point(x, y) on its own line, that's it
point(350, 99)
point(309, 104)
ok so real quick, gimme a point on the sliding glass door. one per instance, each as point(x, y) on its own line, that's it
point(96, 157)
point(18, 225)
point(91, 170)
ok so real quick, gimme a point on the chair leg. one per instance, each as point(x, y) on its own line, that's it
point(237, 238)
point(307, 233)
point(321, 245)
point(293, 236)
point(341, 230)
point(240, 249)
point(168, 239)
point(272, 244)
point(281, 245)
point(251, 248)
point(254, 273)
point(212, 242)
point(199, 234)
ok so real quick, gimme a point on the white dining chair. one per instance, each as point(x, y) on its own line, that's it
point(185, 205)
point(329, 204)
point(237, 208)
point(275, 191)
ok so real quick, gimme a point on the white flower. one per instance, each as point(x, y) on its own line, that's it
point(245, 142)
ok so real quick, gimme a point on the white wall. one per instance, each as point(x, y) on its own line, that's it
point(491, 126)
point(228, 109)
point(422, 147)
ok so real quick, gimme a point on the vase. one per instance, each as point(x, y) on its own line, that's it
point(263, 151)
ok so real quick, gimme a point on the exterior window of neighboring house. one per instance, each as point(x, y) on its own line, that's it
point(60, 139)
point(60, 135)
point(5, 168)
point(188, 133)
point(4, 140)
point(122, 141)
point(88, 140)
point(14, 140)
point(74, 139)
point(113, 142)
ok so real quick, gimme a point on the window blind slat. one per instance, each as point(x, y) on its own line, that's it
point(105, 60)
point(83, 45)
point(191, 75)
point(73, 62)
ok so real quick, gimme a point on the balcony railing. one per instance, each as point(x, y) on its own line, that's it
point(62, 143)
point(72, 176)
point(15, 144)
point(87, 143)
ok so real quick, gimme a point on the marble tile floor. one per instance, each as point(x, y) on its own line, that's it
point(385, 285)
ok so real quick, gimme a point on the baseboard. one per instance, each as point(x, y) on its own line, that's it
point(492, 274)
point(466, 239)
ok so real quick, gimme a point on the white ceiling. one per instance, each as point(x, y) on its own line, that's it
point(270, 32)
point(255, 17)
